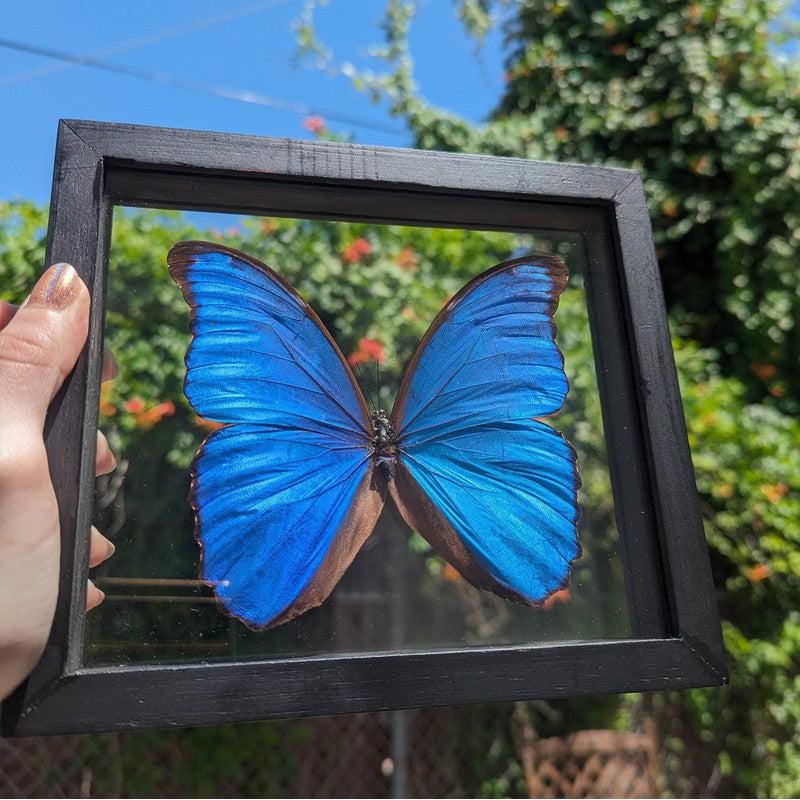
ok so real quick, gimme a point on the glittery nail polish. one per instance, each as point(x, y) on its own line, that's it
point(57, 288)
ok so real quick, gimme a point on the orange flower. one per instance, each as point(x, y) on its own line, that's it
point(107, 409)
point(700, 165)
point(774, 492)
point(670, 208)
point(165, 409)
point(561, 133)
point(268, 227)
point(207, 424)
point(314, 124)
point(146, 419)
point(356, 250)
point(763, 371)
point(368, 350)
point(134, 406)
point(561, 596)
point(758, 573)
point(408, 313)
point(407, 259)
point(450, 573)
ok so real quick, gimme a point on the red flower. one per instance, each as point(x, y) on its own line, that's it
point(146, 419)
point(134, 406)
point(356, 250)
point(368, 350)
point(758, 573)
point(314, 124)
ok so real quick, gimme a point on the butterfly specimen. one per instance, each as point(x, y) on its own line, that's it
point(288, 490)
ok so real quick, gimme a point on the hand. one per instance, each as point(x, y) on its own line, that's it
point(39, 345)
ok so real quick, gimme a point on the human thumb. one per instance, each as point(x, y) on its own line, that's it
point(40, 345)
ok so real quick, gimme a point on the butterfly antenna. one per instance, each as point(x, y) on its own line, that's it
point(365, 386)
point(378, 378)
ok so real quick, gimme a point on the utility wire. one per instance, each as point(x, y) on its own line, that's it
point(218, 90)
point(142, 41)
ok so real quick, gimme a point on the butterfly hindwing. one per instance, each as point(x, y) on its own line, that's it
point(491, 487)
point(285, 494)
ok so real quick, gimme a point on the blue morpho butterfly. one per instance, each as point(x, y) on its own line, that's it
point(287, 492)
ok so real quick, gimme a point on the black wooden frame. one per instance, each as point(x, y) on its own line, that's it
point(676, 639)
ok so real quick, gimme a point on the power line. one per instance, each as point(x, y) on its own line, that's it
point(142, 41)
point(217, 90)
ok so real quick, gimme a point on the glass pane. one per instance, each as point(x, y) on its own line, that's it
point(377, 288)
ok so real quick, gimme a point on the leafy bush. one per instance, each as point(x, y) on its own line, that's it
point(693, 95)
point(747, 456)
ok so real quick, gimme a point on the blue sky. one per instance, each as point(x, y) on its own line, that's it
point(251, 52)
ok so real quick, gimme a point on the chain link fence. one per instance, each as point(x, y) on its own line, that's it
point(488, 751)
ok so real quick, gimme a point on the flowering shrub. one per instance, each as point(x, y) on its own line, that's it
point(694, 96)
point(747, 456)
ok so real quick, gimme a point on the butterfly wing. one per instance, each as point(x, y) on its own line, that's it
point(285, 494)
point(493, 489)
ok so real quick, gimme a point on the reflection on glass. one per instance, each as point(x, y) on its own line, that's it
point(376, 288)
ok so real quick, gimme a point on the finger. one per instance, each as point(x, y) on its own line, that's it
point(7, 311)
point(94, 596)
point(104, 461)
point(110, 368)
point(40, 345)
point(100, 548)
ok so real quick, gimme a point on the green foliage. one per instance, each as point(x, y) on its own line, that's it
point(747, 463)
point(747, 456)
point(693, 95)
point(223, 761)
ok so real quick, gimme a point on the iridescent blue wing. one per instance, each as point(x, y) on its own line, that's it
point(285, 494)
point(493, 489)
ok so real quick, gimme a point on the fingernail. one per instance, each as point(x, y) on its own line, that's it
point(111, 549)
point(94, 596)
point(102, 444)
point(110, 368)
point(57, 288)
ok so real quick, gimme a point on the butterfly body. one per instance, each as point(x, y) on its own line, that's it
point(288, 490)
point(384, 443)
